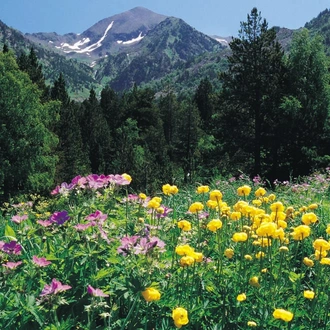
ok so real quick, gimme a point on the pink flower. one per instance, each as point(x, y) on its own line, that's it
point(19, 218)
point(54, 288)
point(11, 248)
point(12, 265)
point(82, 226)
point(96, 292)
point(41, 262)
point(98, 215)
point(45, 223)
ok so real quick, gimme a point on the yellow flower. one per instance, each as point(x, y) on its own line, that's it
point(319, 255)
point(300, 232)
point(276, 216)
point(166, 189)
point(212, 204)
point(240, 237)
point(244, 190)
point(266, 229)
point(180, 317)
point(248, 257)
point(214, 225)
point(308, 262)
point(282, 314)
point(153, 204)
point(187, 261)
point(309, 218)
point(325, 261)
point(203, 189)
point(313, 206)
point(308, 294)
point(235, 216)
point(184, 225)
point(182, 250)
point(251, 324)
point(277, 206)
point(282, 224)
point(264, 241)
point(160, 210)
point(254, 281)
point(328, 229)
point(198, 256)
point(241, 297)
point(215, 195)
point(284, 249)
point(174, 190)
point(260, 192)
point(257, 202)
point(229, 253)
point(321, 244)
point(196, 207)
point(127, 177)
point(260, 254)
point(271, 197)
point(142, 196)
point(151, 294)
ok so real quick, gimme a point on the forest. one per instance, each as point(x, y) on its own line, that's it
point(270, 118)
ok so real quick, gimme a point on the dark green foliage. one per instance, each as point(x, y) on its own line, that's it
point(26, 155)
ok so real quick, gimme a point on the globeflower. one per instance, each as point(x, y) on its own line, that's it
point(182, 250)
point(214, 225)
point(244, 190)
point(308, 262)
point(309, 218)
point(151, 294)
point(196, 207)
point(240, 237)
point(184, 225)
point(166, 189)
point(215, 195)
point(321, 244)
point(266, 229)
point(127, 177)
point(254, 281)
point(180, 317)
point(300, 232)
point(229, 253)
point(187, 261)
point(282, 314)
point(308, 294)
point(251, 324)
point(260, 192)
point(241, 297)
point(235, 216)
point(276, 207)
point(202, 189)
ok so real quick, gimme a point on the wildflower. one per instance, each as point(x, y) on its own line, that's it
point(313, 206)
point(244, 190)
point(166, 189)
point(240, 237)
point(163, 211)
point(54, 288)
point(212, 204)
point(215, 195)
point(309, 218)
point(180, 317)
point(127, 178)
point(328, 229)
point(59, 217)
point(325, 261)
point(257, 202)
point(266, 229)
point(248, 257)
point(254, 281)
point(196, 207)
point(45, 223)
point(214, 225)
point(11, 248)
point(96, 292)
point(321, 244)
point(260, 192)
point(276, 207)
point(174, 190)
point(229, 253)
point(320, 254)
point(127, 244)
point(308, 262)
point(198, 256)
point(182, 250)
point(251, 324)
point(184, 225)
point(142, 196)
point(282, 314)
point(19, 218)
point(186, 261)
point(151, 294)
point(260, 255)
point(41, 262)
point(153, 203)
point(308, 294)
point(271, 197)
point(241, 297)
point(12, 265)
point(235, 216)
point(284, 249)
point(202, 189)
point(300, 232)
point(82, 227)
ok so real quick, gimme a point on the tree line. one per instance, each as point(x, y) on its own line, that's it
point(269, 118)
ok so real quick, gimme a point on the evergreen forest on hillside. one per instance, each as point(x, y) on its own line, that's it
point(270, 118)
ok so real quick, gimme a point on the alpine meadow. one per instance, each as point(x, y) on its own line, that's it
point(153, 177)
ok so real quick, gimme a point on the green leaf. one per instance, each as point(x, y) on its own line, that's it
point(9, 232)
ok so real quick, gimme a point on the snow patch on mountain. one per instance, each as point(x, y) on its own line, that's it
point(67, 48)
point(139, 38)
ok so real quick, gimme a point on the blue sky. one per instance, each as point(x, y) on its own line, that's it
point(218, 17)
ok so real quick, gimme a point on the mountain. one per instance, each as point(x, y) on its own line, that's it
point(111, 35)
point(79, 77)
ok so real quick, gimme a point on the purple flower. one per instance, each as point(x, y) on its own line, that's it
point(54, 287)
point(127, 243)
point(59, 217)
point(12, 265)
point(19, 218)
point(41, 262)
point(97, 181)
point(166, 209)
point(96, 292)
point(82, 226)
point(79, 181)
point(98, 215)
point(12, 248)
point(117, 179)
